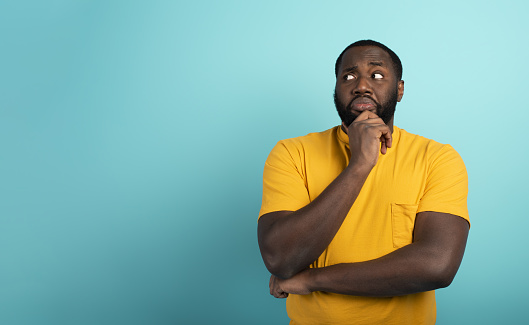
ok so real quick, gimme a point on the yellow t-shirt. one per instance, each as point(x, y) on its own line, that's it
point(416, 174)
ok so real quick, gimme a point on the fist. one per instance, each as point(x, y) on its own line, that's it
point(368, 135)
point(298, 285)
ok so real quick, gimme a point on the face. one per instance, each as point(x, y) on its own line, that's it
point(366, 81)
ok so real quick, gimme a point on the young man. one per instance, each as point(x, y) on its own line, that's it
point(361, 223)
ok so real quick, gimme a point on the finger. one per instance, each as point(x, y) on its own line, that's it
point(280, 294)
point(383, 147)
point(365, 115)
point(275, 290)
point(374, 121)
point(383, 132)
point(389, 142)
point(385, 139)
point(388, 137)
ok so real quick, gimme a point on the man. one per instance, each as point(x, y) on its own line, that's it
point(361, 223)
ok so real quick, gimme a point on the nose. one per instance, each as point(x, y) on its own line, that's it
point(362, 87)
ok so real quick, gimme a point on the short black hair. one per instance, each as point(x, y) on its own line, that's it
point(397, 65)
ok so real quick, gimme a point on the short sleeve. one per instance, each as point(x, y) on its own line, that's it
point(284, 185)
point(446, 188)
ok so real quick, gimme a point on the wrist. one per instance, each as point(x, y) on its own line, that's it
point(312, 276)
point(309, 279)
point(359, 169)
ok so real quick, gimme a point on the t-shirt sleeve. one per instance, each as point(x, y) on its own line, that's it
point(446, 185)
point(284, 186)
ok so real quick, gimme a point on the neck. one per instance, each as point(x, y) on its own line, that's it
point(390, 124)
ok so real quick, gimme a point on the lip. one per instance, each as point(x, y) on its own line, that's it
point(363, 104)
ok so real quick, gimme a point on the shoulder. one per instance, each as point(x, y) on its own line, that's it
point(309, 142)
point(431, 149)
point(295, 151)
point(445, 175)
point(312, 138)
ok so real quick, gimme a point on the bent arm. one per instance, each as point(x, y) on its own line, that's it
point(429, 263)
point(291, 241)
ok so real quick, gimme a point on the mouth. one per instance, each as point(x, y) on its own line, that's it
point(361, 104)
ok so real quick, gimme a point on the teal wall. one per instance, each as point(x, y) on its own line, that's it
point(133, 136)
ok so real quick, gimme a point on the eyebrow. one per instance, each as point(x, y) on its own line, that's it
point(377, 63)
point(373, 63)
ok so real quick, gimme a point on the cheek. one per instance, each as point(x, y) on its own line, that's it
point(343, 93)
point(390, 94)
point(344, 100)
point(338, 95)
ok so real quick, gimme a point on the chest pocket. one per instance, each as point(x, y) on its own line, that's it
point(402, 223)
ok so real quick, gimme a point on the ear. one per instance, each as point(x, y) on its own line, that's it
point(400, 90)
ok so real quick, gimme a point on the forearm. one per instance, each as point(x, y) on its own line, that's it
point(430, 262)
point(292, 242)
point(408, 270)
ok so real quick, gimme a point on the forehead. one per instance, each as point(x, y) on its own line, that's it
point(363, 55)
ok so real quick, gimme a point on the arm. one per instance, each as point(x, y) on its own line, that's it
point(429, 263)
point(291, 240)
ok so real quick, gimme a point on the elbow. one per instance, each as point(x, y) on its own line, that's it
point(439, 268)
point(277, 267)
point(443, 280)
point(442, 275)
point(284, 274)
point(277, 261)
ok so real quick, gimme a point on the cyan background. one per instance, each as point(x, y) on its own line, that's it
point(133, 136)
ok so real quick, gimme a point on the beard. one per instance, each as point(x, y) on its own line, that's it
point(385, 110)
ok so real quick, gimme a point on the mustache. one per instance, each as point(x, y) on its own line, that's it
point(350, 106)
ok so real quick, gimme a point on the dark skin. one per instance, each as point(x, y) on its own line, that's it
point(291, 240)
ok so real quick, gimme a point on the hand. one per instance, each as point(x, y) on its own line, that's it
point(367, 134)
point(298, 285)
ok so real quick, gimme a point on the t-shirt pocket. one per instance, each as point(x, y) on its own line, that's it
point(402, 223)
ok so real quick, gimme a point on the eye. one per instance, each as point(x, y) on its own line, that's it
point(377, 76)
point(348, 77)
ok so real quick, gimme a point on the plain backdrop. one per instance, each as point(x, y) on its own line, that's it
point(133, 136)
